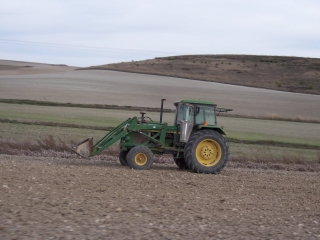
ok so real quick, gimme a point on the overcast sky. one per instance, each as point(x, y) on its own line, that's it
point(86, 33)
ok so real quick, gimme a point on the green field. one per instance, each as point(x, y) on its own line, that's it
point(237, 128)
point(271, 130)
point(72, 115)
point(23, 132)
point(241, 129)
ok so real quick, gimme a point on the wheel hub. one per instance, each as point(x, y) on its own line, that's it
point(141, 159)
point(207, 152)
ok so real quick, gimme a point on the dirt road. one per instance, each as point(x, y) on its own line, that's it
point(59, 198)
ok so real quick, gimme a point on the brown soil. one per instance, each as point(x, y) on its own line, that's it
point(8, 68)
point(292, 74)
point(72, 198)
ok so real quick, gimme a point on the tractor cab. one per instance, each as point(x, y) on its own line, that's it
point(194, 115)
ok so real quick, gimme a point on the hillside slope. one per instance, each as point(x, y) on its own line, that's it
point(291, 74)
point(11, 68)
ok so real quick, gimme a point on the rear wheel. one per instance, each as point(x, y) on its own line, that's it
point(123, 157)
point(140, 157)
point(207, 151)
point(181, 163)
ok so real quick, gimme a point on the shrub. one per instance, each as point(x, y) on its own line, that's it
point(48, 143)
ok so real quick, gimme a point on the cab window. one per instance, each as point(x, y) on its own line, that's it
point(185, 112)
point(205, 115)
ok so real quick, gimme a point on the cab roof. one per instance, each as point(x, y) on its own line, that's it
point(196, 102)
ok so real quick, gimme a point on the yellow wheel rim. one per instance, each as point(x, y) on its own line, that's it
point(208, 152)
point(141, 159)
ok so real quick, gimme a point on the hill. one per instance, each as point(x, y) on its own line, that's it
point(291, 74)
point(11, 68)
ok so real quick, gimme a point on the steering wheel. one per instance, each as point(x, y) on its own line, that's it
point(143, 118)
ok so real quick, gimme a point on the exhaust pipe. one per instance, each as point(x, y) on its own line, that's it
point(161, 110)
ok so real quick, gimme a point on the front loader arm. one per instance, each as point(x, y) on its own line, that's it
point(86, 148)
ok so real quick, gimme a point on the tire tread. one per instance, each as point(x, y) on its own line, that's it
point(191, 145)
point(140, 149)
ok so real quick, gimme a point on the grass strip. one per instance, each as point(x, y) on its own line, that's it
point(97, 106)
point(149, 109)
point(54, 124)
point(274, 143)
point(233, 140)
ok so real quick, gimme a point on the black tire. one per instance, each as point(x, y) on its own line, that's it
point(207, 151)
point(181, 163)
point(140, 157)
point(123, 157)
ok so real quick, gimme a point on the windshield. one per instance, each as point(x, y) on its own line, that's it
point(185, 112)
point(206, 115)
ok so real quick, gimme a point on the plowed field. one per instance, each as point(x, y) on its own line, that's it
point(71, 198)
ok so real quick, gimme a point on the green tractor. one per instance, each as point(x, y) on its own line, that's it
point(195, 140)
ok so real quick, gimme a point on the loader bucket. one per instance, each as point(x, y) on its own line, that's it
point(84, 148)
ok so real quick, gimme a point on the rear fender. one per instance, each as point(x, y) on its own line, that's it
point(215, 128)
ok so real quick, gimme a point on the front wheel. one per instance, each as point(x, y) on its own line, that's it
point(140, 157)
point(207, 151)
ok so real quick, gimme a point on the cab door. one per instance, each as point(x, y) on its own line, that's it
point(185, 119)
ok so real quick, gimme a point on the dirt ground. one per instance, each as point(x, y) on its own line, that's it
point(71, 198)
